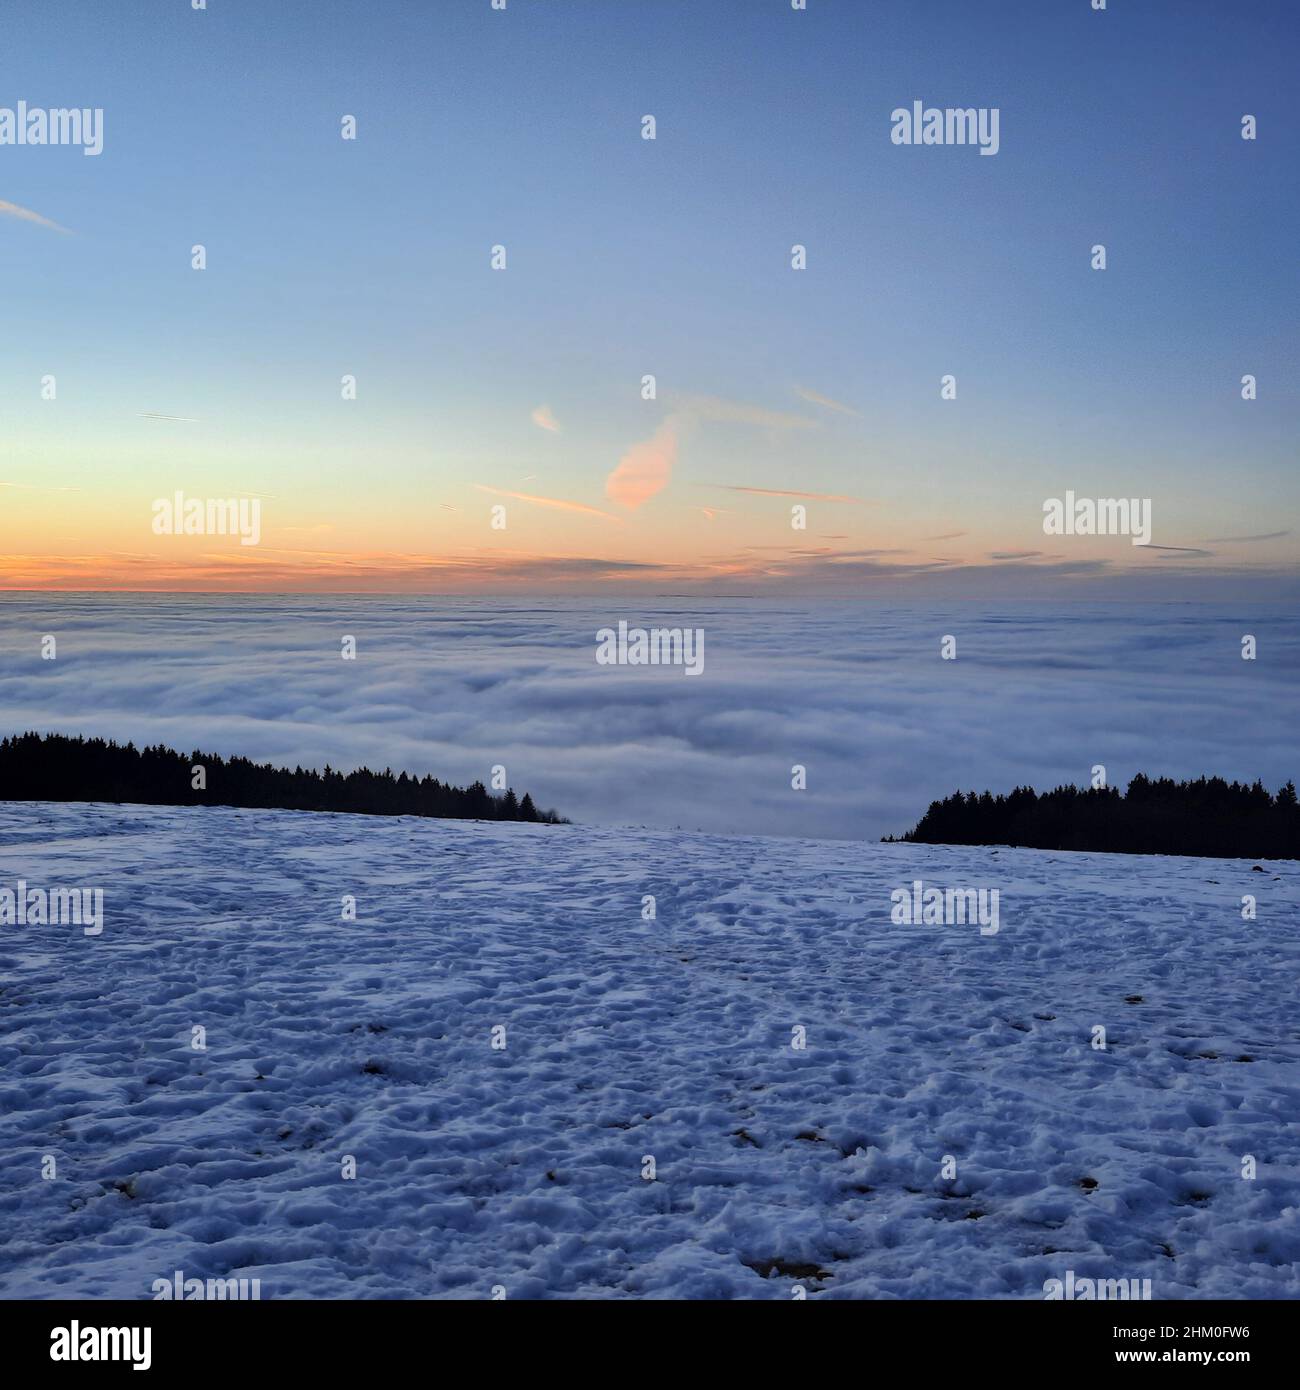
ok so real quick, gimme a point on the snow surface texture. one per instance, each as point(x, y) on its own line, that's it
point(522, 1167)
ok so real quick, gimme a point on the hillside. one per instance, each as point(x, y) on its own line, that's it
point(624, 1038)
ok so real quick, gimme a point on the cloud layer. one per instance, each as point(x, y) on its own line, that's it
point(856, 693)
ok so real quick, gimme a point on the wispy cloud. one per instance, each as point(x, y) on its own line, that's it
point(1179, 550)
point(1237, 540)
point(715, 408)
point(786, 492)
point(154, 415)
point(27, 215)
point(558, 503)
point(29, 487)
point(281, 569)
point(785, 571)
point(545, 420)
point(816, 398)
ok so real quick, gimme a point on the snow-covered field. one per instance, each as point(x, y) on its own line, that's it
point(522, 1166)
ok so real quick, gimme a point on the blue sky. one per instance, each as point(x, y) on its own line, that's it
point(522, 127)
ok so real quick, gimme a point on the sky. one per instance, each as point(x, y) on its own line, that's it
point(522, 388)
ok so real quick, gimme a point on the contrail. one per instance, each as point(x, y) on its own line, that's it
point(27, 215)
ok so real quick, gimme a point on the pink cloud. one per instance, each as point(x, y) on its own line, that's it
point(645, 469)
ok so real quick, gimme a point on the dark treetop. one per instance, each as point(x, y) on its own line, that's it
point(53, 767)
point(1156, 816)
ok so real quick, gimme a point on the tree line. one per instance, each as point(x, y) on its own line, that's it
point(56, 767)
point(1224, 820)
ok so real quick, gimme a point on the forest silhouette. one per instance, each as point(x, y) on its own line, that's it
point(1207, 817)
point(55, 767)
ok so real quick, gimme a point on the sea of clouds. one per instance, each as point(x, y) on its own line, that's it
point(855, 692)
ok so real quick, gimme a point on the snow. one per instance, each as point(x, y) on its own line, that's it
point(521, 1168)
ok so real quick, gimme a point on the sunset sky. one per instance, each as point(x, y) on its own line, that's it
point(671, 257)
